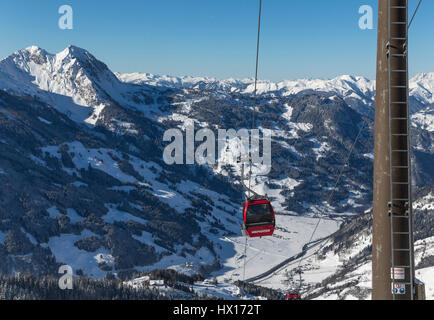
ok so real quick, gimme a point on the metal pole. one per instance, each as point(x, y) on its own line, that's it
point(381, 242)
point(393, 258)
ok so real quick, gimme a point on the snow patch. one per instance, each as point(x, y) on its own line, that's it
point(54, 212)
point(66, 252)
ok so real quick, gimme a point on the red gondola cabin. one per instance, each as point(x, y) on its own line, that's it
point(259, 218)
point(293, 296)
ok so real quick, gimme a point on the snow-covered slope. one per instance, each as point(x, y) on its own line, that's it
point(424, 119)
point(72, 80)
point(340, 268)
point(422, 87)
point(81, 156)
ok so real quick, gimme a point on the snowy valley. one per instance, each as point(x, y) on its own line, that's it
point(85, 184)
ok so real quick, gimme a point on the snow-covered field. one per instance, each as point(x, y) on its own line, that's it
point(226, 291)
point(264, 253)
point(424, 119)
point(426, 275)
point(316, 270)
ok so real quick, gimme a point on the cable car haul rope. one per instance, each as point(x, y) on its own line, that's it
point(258, 214)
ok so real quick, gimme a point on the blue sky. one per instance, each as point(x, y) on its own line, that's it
point(215, 38)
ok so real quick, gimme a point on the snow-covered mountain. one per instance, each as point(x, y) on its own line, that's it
point(76, 74)
point(358, 92)
point(72, 73)
point(86, 185)
point(344, 85)
point(422, 87)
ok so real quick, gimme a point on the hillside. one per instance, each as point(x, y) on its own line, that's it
point(85, 184)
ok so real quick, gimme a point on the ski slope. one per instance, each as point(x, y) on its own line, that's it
point(262, 254)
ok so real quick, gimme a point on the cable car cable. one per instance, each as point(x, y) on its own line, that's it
point(245, 254)
point(414, 14)
point(257, 62)
point(253, 120)
point(365, 122)
point(366, 119)
point(256, 87)
point(254, 124)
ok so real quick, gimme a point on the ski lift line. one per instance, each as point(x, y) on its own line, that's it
point(343, 167)
point(325, 240)
point(362, 128)
point(256, 86)
point(414, 14)
point(245, 254)
point(248, 188)
point(257, 59)
point(285, 264)
point(253, 119)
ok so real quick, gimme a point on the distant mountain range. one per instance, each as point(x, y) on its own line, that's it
point(354, 90)
point(421, 86)
point(84, 182)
